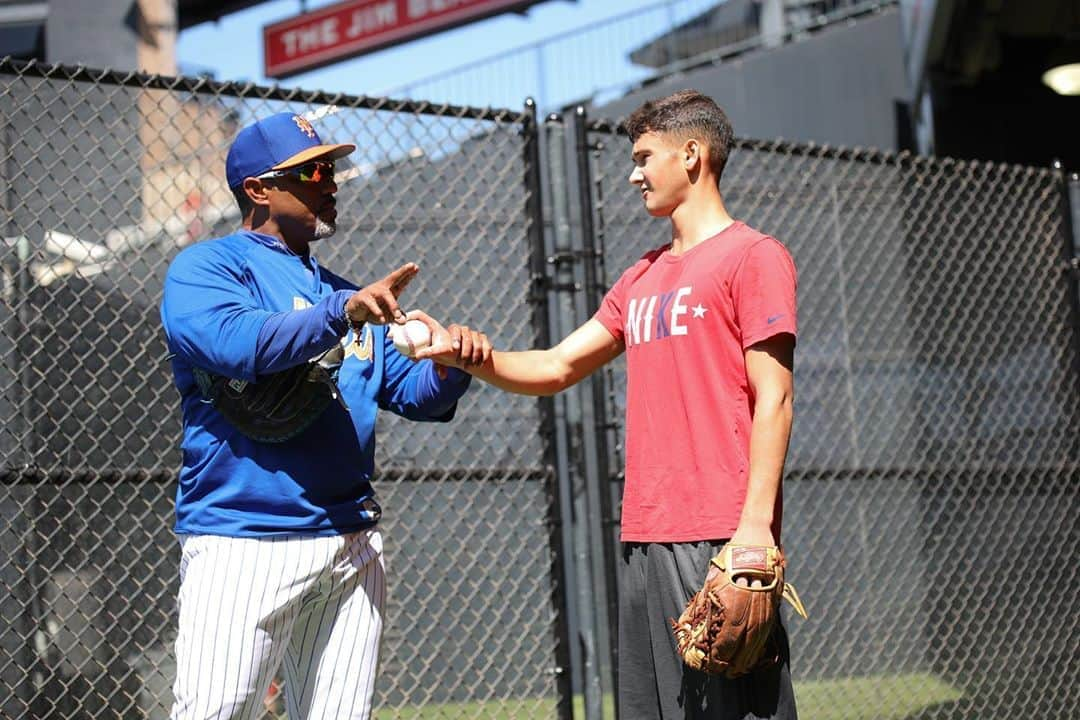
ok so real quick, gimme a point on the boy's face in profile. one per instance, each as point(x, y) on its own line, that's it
point(660, 172)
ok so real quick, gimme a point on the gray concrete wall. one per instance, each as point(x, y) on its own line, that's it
point(98, 34)
point(837, 87)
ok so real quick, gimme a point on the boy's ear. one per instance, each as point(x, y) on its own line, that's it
point(692, 152)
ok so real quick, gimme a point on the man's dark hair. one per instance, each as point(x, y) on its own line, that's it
point(686, 114)
point(242, 201)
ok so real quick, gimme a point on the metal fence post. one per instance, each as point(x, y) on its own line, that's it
point(22, 599)
point(565, 286)
point(1074, 215)
point(553, 449)
point(1070, 217)
point(593, 405)
point(1070, 207)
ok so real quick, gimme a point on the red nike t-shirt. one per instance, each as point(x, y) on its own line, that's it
point(686, 321)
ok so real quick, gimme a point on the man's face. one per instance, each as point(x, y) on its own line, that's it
point(305, 210)
point(659, 173)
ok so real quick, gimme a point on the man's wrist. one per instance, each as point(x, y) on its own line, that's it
point(351, 319)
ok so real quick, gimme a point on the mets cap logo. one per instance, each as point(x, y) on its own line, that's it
point(304, 126)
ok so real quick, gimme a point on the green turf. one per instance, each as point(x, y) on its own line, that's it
point(523, 709)
point(882, 697)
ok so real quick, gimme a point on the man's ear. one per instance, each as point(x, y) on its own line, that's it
point(255, 191)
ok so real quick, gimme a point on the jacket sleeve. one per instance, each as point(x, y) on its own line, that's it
point(211, 319)
point(415, 391)
point(287, 339)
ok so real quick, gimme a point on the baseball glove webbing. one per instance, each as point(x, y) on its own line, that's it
point(280, 405)
point(726, 628)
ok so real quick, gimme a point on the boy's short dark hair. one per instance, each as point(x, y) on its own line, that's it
point(686, 113)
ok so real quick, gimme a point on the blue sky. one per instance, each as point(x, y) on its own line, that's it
point(232, 48)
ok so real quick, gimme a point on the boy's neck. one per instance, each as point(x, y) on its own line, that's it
point(696, 220)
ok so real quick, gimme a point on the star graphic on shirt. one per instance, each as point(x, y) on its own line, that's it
point(699, 310)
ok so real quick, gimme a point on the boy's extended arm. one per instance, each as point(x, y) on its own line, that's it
point(546, 372)
point(540, 372)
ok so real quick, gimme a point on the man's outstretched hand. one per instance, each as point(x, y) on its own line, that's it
point(377, 303)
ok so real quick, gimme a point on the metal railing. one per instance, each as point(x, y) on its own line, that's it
point(601, 61)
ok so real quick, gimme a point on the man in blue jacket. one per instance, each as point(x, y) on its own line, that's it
point(281, 557)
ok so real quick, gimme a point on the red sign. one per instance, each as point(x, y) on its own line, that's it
point(355, 27)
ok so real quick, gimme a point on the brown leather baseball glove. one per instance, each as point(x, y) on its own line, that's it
point(726, 627)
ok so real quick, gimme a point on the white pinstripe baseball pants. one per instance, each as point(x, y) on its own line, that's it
point(249, 606)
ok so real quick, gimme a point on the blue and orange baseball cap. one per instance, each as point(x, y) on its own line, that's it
point(278, 142)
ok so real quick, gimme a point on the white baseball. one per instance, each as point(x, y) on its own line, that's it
point(410, 336)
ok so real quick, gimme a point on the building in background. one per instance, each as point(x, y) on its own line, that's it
point(840, 81)
point(938, 77)
point(173, 177)
point(945, 77)
point(115, 34)
point(976, 75)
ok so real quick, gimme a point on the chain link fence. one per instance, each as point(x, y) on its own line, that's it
point(933, 483)
point(105, 178)
point(932, 488)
